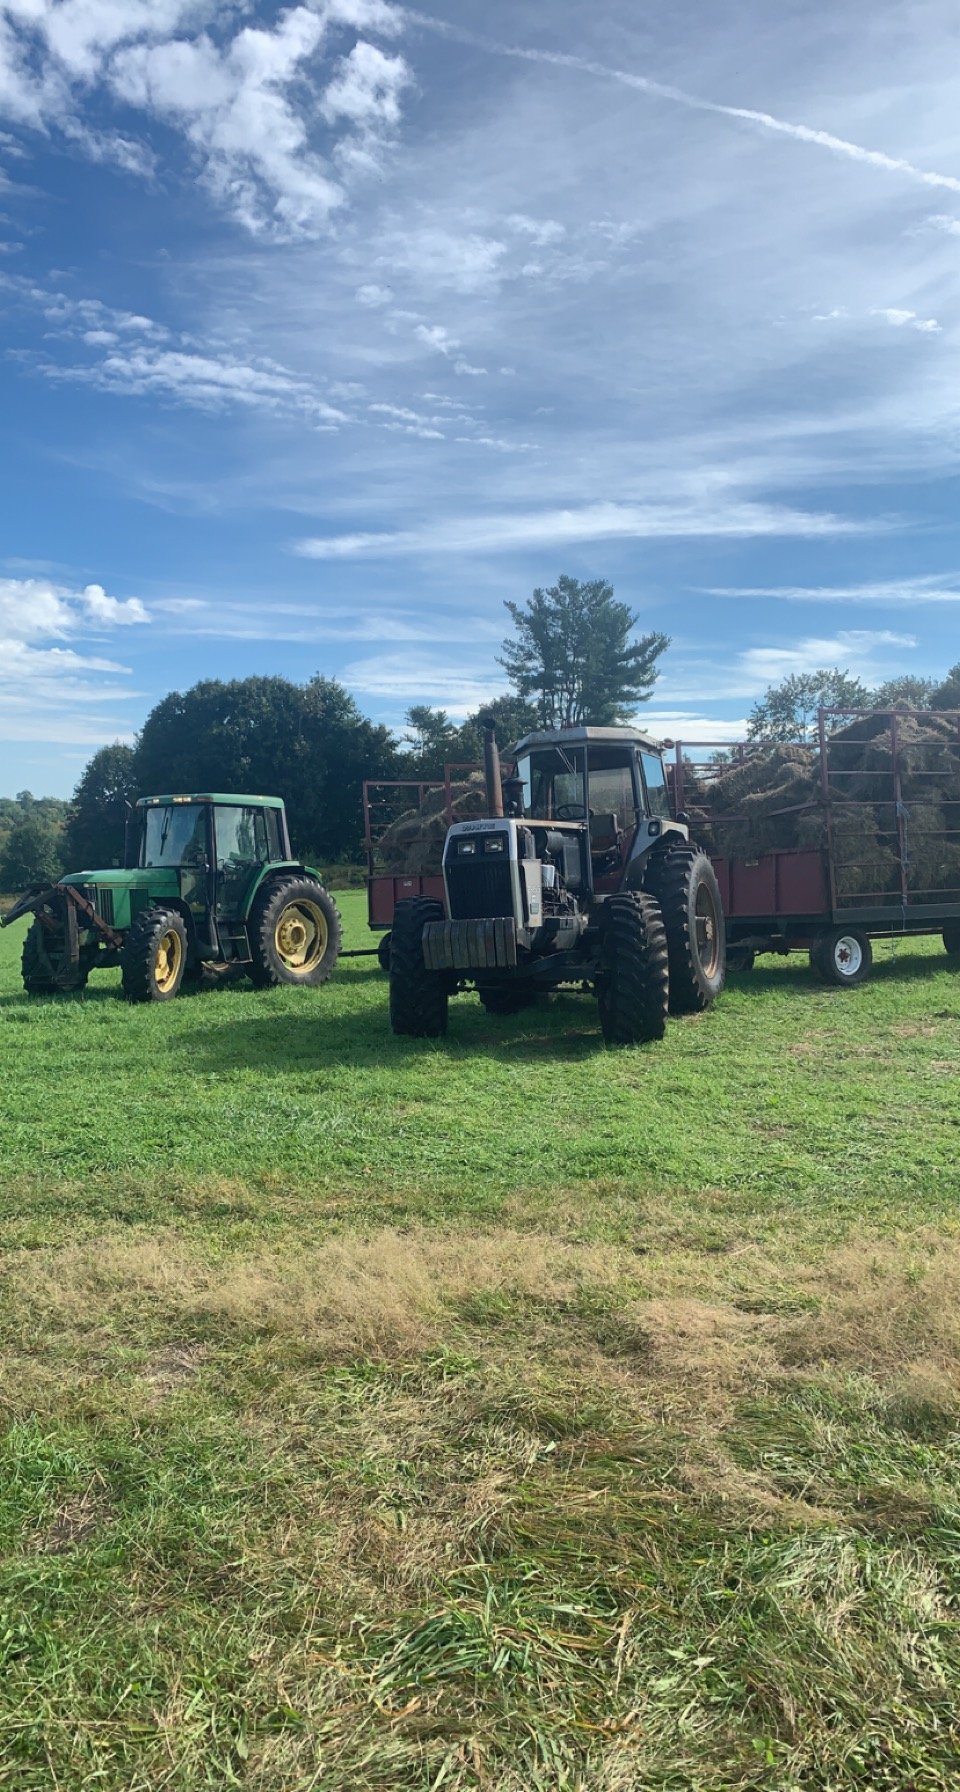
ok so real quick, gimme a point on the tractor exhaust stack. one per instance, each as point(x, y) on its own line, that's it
point(491, 766)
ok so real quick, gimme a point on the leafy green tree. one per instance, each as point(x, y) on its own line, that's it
point(788, 711)
point(513, 716)
point(947, 694)
point(431, 738)
point(306, 743)
point(31, 854)
point(573, 657)
point(909, 690)
point(96, 822)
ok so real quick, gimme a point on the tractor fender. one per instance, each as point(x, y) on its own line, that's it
point(664, 835)
point(269, 874)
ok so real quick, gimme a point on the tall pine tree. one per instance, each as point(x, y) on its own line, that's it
point(573, 657)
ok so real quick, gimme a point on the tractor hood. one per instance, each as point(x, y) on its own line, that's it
point(117, 878)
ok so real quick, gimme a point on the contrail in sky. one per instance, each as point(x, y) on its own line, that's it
point(801, 133)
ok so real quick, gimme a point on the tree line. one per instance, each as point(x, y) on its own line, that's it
point(574, 656)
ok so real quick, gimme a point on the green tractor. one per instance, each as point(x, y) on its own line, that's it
point(210, 881)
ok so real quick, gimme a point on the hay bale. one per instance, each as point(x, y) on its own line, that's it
point(413, 845)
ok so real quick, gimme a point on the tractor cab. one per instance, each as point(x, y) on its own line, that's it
point(612, 779)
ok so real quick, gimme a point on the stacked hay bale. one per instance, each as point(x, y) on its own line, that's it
point(769, 797)
point(413, 845)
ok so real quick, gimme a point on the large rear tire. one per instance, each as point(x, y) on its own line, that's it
point(634, 980)
point(842, 956)
point(154, 957)
point(684, 883)
point(295, 933)
point(418, 997)
point(506, 998)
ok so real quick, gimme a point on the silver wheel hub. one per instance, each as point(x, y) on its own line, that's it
point(848, 955)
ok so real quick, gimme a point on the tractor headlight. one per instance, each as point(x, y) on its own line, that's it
point(466, 849)
point(495, 843)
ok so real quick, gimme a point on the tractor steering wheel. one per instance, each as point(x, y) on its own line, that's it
point(571, 812)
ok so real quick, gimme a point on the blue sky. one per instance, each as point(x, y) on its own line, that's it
point(327, 327)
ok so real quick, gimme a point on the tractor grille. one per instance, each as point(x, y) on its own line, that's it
point(103, 901)
point(479, 889)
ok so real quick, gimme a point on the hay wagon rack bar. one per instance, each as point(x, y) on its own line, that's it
point(886, 808)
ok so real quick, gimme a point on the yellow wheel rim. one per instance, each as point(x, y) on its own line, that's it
point(301, 937)
point(169, 960)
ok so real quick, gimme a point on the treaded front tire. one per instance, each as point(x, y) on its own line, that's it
point(34, 964)
point(418, 997)
point(154, 956)
point(40, 974)
point(295, 934)
point(634, 980)
point(684, 883)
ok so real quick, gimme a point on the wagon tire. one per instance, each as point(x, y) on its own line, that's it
point(383, 952)
point(843, 957)
point(684, 883)
point(951, 939)
point(295, 934)
point(418, 997)
point(154, 956)
point(633, 985)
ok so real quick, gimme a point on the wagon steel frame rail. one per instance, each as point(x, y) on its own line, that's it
point(777, 889)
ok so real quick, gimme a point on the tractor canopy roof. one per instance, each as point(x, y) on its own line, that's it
point(577, 737)
point(247, 802)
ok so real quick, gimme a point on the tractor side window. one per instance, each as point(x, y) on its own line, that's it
point(241, 836)
point(658, 797)
point(612, 790)
point(176, 835)
point(275, 846)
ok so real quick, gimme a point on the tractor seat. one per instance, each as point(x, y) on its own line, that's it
point(604, 834)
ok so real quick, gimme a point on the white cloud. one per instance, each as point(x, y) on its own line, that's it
point(239, 102)
point(447, 260)
point(414, 677)
point(893, 314)
point(374, 296)
point(854, 649)
point(945, 222)
point(767, 121)
point(47, 691)
point(206, 382)
point(688, 725)
point(366, 89)
point(542, 231)
point(595, 522)
point(934, 588)
point(35, 609)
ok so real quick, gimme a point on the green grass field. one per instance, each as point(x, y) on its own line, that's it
point(499, 1413)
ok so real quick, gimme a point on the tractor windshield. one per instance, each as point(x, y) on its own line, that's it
point(175, 835)
point(553, 783)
